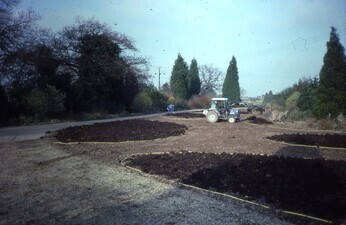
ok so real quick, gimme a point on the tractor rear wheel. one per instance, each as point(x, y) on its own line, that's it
point(231, 120)
point(212, 117)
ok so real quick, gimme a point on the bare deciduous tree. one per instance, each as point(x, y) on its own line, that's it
point(211, 79)
point(68, 41)
point(14, 27)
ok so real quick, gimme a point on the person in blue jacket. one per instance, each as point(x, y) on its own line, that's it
point(170, 109)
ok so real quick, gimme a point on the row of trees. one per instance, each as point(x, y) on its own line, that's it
point(185, 81)
point(298, 97)
point(323, 97)
point(85, 67)
point(88, 67)
point(191, 81)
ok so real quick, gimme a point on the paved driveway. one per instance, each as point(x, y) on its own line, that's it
point(24, 133)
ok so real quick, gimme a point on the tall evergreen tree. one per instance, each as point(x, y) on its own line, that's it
point(330, 98)
point(268, 97)
point(193, 81)
point(307, 88)
point(231, 88)
point(179, 78)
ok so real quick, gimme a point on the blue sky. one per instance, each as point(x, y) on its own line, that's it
point(275, 42)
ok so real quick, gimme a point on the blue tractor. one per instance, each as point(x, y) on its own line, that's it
point(220, 109)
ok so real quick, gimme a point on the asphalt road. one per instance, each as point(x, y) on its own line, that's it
point(24, 133)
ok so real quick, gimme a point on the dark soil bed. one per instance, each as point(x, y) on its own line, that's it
point(119, 131)
point(315, 187)
point(187, 115)
point(325, 140)
point(258, 120)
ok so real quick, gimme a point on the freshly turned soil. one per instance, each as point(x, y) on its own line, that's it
point(187, 115)
point(258, 120)
point(281, 176)
point(120, 131)
point(325, 140)
point(312, 186)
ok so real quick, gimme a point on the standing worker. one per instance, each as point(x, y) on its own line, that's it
point(170, 109)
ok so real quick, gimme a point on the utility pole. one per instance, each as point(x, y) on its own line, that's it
point(159, 77)
point(159, 87)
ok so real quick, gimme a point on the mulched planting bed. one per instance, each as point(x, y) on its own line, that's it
point(311, 186)
point(325, 140)
point(258, 120)
point(120, 131)
point(315, 187)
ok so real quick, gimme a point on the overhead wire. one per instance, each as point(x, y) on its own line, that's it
point(300, 42)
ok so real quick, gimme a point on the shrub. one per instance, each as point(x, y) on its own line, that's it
point(198, 102)
point(180, 104)
point(36, 104)
point(274, 112)
point(159, 100)
point(55, 101)
point(291, 102)
point(48, 103)
point(171, 100)
point(142, 102)
point(276, 115)
point(298, 115)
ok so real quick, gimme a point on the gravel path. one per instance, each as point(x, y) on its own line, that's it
point(42, 184)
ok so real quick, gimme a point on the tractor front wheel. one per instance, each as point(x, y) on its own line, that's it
point(231, 120)
point(212, 117)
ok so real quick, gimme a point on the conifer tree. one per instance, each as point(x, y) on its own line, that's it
point(268, 97)
point(193, 80)
point(179, 78)
point(330, 97)
point(231, 88)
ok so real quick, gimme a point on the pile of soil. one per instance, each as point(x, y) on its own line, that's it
point(120, 131)
point(325, 140)
point(258, 120)
point(315, 187)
